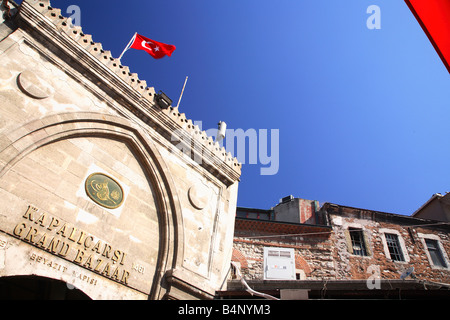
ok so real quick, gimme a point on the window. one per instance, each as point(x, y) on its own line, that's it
point(435, 253)
point(357, 239)
point(394, 247)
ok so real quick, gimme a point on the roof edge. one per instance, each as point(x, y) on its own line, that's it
point(39, 15)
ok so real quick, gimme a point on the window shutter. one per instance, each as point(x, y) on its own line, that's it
point(367, 243)
point(348, 239)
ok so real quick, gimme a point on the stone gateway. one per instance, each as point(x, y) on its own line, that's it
point(97, 196)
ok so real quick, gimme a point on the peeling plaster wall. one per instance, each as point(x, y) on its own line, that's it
point(378, 262)
point(331, 257)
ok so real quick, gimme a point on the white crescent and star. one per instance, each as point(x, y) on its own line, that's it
point(145, 43)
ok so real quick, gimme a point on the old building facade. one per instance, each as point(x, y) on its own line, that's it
point(109, 194)
point(257, 229)
point(436, 208)
point(97, 194)
point(386, 245)
point(339, 252)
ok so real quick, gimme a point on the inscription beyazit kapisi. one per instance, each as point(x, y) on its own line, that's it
point(61, 268)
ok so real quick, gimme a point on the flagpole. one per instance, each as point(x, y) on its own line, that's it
point(128, 46)
point(182, 92)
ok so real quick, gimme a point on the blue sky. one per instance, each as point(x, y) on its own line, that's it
point(363, 115)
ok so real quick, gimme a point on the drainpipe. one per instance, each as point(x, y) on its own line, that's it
point(247, 287)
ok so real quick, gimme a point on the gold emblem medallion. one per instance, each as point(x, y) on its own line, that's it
point(104, 190)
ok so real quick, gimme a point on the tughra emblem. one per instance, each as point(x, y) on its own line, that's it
point(104, 190)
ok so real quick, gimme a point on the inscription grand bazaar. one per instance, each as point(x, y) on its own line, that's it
point(66, 241)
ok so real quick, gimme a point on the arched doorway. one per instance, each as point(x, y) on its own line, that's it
point(115, 148)
point(38, 288)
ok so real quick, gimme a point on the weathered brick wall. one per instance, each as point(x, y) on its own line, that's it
point(378, 262)
point(323, 256)
point(313, 258)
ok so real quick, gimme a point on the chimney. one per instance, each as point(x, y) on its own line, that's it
point(296, 210)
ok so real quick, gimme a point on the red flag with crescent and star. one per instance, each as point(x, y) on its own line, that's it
point(154, 48)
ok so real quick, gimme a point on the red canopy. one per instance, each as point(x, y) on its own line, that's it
point(434, 17)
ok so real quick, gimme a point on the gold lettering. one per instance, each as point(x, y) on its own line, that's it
point(116, 256)
point(52, 246)
point(125, 276)
point(97, 267)
point(81, 236)
point(18, 229)
point(123, 257)
point(91, 240)
point(41, 241)
point(47, 233)
point(79, 256)
point(115, 275)
point(29, 213)
point(88, 262)
point(53, 224)
point(72, 233)
point(105, 271)
point(62, 230)
point(65, 246)
point(30, 235)
point(106, 250)
point(96, 248)
point(41, 219)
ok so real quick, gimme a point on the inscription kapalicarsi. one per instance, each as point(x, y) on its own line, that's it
point(66, 241)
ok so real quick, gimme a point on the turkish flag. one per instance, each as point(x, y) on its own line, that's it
point(154, 48)
point(434, 18)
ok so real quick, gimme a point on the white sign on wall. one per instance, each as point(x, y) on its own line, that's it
point(279, 264)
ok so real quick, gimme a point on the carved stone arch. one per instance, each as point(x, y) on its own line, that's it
point(46, 131)
point(300, 263)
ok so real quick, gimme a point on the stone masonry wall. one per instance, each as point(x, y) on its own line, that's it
point(378, 262)
point(313, 259)
point(323, 256)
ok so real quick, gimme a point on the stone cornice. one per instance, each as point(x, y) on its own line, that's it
point(402, 220)
point(117, 81)
point(243, 225)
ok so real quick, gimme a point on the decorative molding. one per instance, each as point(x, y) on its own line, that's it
point(198, 196)
point(133, 93)
point(33, 85)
